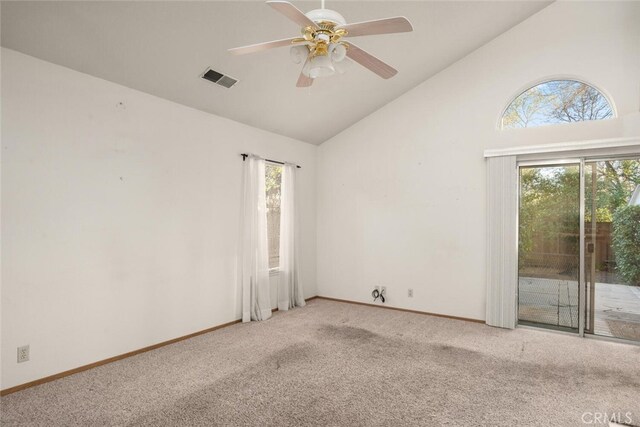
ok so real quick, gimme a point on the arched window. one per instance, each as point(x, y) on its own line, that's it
point(556, 101)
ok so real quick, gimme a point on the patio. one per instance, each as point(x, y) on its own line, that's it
point(555, 302)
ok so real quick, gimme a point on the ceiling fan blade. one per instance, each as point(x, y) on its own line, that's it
point(259, 47)
point(304, 81)
point(369, 61)
point(293, 13)
point(399, 24)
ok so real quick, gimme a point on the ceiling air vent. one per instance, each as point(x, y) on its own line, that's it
point(219, 78)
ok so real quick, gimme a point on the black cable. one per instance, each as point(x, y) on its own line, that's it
point(378, 294)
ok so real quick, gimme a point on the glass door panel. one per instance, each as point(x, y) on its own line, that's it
point(549, 246)
point(612, 249)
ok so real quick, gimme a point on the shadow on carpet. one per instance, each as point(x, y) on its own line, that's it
point(353, 376)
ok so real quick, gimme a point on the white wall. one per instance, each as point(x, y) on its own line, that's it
point(120, 217)
point(401, 194)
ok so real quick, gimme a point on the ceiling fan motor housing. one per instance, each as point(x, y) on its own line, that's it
point(326, 15)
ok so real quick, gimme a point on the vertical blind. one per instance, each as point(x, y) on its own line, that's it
point(502, 251)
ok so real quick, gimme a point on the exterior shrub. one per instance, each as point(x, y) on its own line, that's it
point(626, 243)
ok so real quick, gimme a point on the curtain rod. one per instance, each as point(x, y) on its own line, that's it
point(244, 157)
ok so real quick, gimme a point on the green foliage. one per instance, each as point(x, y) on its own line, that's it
point(615, 181)
point(549, 207)
point(550, 198)
point(626, 243)
point(273, 180)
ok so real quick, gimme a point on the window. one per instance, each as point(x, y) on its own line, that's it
point(556, 101)
point(273, 180)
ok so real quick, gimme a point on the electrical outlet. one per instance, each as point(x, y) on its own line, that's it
point(23, 354)
point(410, 293)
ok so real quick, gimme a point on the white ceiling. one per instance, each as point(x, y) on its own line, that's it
point(162, 48)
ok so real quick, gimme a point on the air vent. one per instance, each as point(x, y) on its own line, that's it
point(227, 81)
point(212, 76)
point(219, 78)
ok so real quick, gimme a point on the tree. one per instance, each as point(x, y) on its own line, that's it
point(556, 101)
point(626, 243)
point(576, 102)
point(549, 211)
point(273, 180)
point(549, 202)
point(523, 110)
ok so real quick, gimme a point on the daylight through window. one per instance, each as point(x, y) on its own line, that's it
point(273, 180)
point(556, 101)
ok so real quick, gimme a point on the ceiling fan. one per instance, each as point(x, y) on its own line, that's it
point(322, 44)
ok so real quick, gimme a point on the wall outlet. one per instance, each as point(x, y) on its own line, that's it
point(410, 293)
point(23, 354)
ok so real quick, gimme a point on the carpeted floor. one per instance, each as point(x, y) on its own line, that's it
point(333, 363)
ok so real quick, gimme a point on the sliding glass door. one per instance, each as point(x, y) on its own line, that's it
point(549, 246)
point(612, 247)
point(579, 246)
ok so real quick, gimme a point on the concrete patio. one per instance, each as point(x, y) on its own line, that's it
point(555, 302)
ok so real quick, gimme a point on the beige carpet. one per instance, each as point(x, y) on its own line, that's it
point(333, 363)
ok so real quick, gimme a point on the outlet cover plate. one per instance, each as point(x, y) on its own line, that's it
point(23, 354)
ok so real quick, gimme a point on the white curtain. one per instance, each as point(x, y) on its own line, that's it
point(254, 274)
point(502, 251)
point(290, 290)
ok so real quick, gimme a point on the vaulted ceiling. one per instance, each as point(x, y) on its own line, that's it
point(163, 47)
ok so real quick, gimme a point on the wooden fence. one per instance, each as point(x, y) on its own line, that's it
point(559, 254)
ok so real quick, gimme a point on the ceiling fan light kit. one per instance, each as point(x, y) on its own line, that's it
point(322, 46)
point(318, 66)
